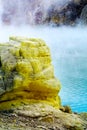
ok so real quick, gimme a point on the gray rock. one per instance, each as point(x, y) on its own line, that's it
point(84, 15)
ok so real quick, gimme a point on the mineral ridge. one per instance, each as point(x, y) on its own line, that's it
point(27, 74)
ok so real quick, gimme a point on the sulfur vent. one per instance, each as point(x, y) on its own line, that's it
point(26, 74)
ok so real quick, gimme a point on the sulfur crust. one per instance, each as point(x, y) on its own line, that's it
point(28, 74)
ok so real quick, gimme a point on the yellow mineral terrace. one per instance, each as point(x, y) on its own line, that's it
point(27, 74)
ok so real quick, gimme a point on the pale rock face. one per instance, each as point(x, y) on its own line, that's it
point(27, 74)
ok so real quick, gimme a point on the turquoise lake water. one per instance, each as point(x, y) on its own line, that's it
point(73, 77)
point(70, 62)
point(69, 54)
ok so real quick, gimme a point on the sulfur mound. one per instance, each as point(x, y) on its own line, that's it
point(27, 74)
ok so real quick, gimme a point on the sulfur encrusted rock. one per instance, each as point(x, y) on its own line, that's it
point(29, 89)
point(27, 74)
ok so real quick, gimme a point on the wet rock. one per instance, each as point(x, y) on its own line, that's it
point(66, 109)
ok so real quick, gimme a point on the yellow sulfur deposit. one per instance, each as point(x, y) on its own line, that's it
point(27, 74)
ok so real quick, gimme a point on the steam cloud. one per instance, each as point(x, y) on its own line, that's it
point(26, 11)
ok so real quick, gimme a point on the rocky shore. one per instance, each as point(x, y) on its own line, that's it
point(41, 117)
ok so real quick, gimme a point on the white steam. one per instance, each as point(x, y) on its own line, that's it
point(60, 39)
point(27, 11)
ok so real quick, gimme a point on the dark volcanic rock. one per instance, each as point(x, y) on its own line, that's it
point(65, 14)
point(37, 12)
point(84, 15)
